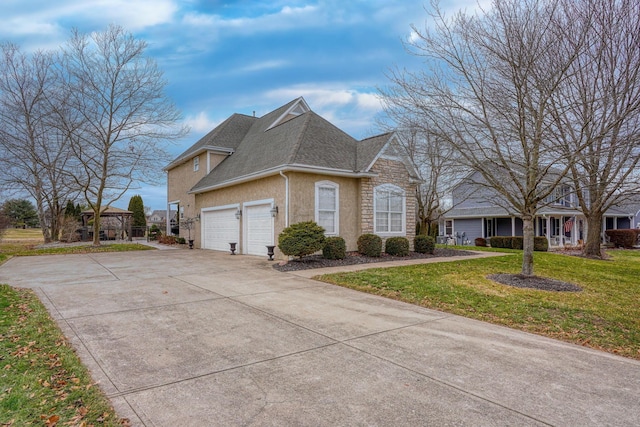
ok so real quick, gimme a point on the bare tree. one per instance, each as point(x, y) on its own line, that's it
point(487, 91)
point(116, 114)
point(598, 111)
point(34, 153)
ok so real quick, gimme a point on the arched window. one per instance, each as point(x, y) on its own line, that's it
point(327, 210)
point(389, 210)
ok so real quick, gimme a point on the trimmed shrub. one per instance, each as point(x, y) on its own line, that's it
point(517, 242)
point(334, 248)
point(540, 244)
point(424, 244)
point(181, 240)
point(480, 241)
point(303, 238)
point(500, 242)
point(624, 238)
point(370, 245)
point(154, 232)
point(397, 246)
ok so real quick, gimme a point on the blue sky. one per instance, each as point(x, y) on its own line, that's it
point(221, 57)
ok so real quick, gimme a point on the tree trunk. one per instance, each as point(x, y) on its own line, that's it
point(594, 236)
point(527, 245)
point(42, 217)
point(96, 226)
point(55, 220)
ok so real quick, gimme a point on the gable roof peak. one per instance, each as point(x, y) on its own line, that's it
point(298, 106)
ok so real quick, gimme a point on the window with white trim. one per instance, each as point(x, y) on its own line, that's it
point(389, 209)
point(196, 163)
point(327, 210)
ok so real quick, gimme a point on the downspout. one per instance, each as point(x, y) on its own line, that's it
point(286, 199)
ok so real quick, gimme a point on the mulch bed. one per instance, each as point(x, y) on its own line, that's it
point(534, 282)
point(317, 261)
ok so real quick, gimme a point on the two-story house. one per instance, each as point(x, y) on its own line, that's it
point(251, 177)
point(479, 211)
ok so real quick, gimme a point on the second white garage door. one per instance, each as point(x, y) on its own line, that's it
point(219, 228)
point(258, 229)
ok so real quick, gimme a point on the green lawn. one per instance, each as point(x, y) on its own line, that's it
point(605, 315)
point(18, 242)
point(42, 381)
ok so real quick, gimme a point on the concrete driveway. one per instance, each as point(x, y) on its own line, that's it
point(200, 338)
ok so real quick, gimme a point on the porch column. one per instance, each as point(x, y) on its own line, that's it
point(513, 225)
point(168, 220)
point(548, 234)
point(484, 228)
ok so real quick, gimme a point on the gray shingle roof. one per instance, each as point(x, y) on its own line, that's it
point(369, 148)
point(306, 140)
point(227, 134)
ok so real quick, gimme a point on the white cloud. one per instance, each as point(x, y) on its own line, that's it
point(200, 123)
point(44, 19)
point(285, 19)
point(265, 65)
point(47, 26)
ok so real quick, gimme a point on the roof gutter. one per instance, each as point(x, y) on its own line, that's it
point(203, 149)
point(288, 168)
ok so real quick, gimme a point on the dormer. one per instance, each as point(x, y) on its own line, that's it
point(299, 107)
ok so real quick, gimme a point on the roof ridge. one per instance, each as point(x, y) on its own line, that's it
point(376, 136)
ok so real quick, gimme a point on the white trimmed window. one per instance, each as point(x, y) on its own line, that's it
point(389, 210)
point(196, 163)
point(327, 206)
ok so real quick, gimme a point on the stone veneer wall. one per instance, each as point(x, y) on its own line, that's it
point(389, 172)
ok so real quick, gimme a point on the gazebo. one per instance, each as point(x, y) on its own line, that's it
point(115, 223)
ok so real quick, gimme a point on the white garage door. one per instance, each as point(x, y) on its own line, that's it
point(259, 229)
point(219, 228)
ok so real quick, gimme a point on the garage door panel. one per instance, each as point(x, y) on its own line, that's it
point(259, 229)
point(220, 227)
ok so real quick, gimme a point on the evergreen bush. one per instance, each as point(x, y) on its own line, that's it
point(540, 244)
point(303, 238)
point(397, 246)
point(370, 245)
point(517, 242)
point(334, 248)
point(154, 232)
point(424, 244)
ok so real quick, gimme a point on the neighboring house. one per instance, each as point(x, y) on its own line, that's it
point(480, 212)
point(251, 177)
point(159, 217)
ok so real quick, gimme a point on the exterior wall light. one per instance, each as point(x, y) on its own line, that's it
point(238, 214)
point(274, 211)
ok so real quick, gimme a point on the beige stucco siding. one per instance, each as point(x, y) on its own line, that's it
point(302, 203)
point(356, 214)
point(180, 180)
